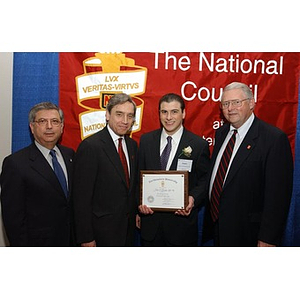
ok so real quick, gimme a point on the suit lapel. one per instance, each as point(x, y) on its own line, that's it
point(155, 149)
point(131, 157)
point(41, 166)
point(184, 142)
point(111, 152)
point(246, 147)
point(113, 155)
point(219, 142)
point(68, 162)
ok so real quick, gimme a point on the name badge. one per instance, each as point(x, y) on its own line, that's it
point(184, 165)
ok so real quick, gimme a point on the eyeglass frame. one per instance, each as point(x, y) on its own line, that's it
point(233, 103)
point(43, 122)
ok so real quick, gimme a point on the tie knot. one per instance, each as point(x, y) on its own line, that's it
point(234, 134)
point(52, 153)
point(169, 138)
point(120, 145)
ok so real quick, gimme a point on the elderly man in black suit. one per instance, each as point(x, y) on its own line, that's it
point(36, 207)
point(251, 176)
point(105, 180)
point(179, 228)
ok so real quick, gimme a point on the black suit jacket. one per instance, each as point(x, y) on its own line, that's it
point(178, 230)
point(255, 200)
point(35, 210)
point(104, 207)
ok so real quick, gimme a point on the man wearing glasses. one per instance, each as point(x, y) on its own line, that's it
point(35, 184)
point(251, 176)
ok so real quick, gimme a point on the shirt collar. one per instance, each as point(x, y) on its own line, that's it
point(113, 135)
point(244, 128)
point(175, 137)
point(45, 150)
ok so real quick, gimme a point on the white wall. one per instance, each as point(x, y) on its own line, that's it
point(6, 59)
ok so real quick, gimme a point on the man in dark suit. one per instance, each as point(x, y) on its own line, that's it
point(104, 195)
point(179, 228)
point(253, 201)
point(36, 210)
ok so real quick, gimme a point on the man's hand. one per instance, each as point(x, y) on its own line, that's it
point(186, 212)
point(89, 244)
point(144, 209)
point(263, 244)
point(138, 221)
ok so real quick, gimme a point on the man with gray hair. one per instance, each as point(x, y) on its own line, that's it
point(251, 176)
point(105, 179)
point(35, 184)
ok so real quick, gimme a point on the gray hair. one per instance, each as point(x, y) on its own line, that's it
point(239, 85)
point(119, 99)
point(44, 106)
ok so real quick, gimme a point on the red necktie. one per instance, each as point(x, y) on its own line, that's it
point(220, 176)
point(123, 161)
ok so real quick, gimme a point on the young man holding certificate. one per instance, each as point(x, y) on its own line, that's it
point(169, 149)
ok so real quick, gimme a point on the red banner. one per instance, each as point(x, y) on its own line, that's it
point(88, 80)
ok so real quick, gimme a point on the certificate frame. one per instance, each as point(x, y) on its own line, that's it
point(164, 190)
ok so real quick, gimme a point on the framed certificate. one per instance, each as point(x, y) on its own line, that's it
point(164, 190)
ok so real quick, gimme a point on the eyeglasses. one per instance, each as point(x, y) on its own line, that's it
point(234, 103)
point(43, 122)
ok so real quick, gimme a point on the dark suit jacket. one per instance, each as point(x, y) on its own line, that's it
point(104, 207)
point(35, 210)
point(255, 200)
point(178, 230)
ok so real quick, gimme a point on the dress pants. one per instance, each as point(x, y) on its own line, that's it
point(161, 241)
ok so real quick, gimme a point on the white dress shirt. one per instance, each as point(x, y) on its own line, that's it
point(115, 138)
point(176, 137)
point(47, 155)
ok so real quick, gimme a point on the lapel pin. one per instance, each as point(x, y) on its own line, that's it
point(249, 147)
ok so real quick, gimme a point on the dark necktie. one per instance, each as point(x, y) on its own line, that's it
point(220, 176)
point(165, 154)
point(123, 161)
point(59, 172)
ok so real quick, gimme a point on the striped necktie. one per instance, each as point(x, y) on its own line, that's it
point(220, 176)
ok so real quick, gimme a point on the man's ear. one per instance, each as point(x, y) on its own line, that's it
point(252, 104)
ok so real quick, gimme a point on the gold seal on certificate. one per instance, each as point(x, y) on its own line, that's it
point(164, 190)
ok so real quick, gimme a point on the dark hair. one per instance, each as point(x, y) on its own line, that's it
point(44, 106)
point(170, 98)
point(119, 99)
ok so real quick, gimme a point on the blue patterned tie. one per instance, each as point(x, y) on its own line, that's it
point(165, 154)
point(59, 172)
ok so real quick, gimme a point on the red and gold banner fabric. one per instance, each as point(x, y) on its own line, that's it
point(88, 80)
